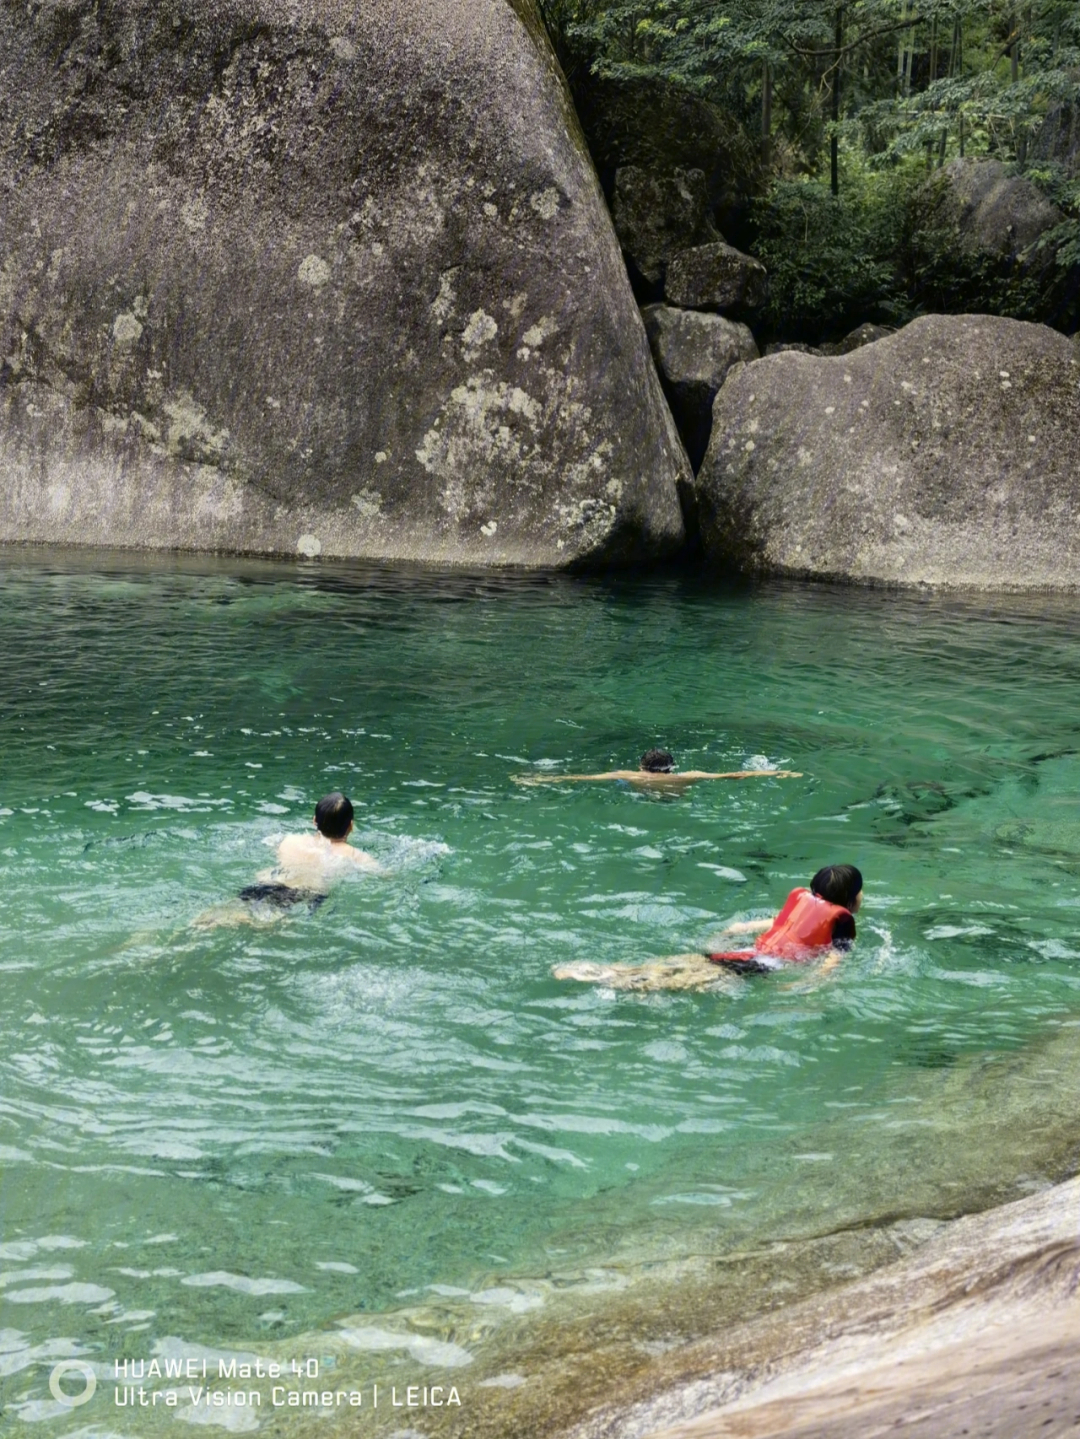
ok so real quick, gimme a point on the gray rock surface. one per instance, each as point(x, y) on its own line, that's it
point(315, 278)
point(861, 335)
point(640, 120)
point(778, 347)
point(1059, 138)
point(946, 454)
point(693, 352)
point(715, 277)
point(977, 1333)
point(992, 210)
point(656, 215)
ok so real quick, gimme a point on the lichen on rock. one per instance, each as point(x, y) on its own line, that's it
point(272, 259)
point(944, 454)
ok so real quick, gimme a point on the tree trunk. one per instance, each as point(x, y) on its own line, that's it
point(960, 71)
point(931, 77)
point(834, 148)
point(901, 52)
point(766, 115)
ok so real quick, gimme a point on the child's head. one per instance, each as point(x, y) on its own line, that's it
point(839, 884)
point(657, 761)
point(334, 815)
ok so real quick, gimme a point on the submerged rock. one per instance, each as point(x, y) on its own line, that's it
point(317, 280)
point(693, 352)
point(715, 277)
point(657, 215)
point(944, 454)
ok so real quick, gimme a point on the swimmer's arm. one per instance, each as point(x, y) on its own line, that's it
point(747, 926)
point(830, 960)
point(565, 778)
point(742, 774)
point(361, 860)
point(824, 965)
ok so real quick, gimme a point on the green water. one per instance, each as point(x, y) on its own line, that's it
point(225, 1134)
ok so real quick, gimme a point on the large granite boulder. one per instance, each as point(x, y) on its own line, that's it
point(693, 352)
point(992, 210)
point(946, 454)
point(326, 278)
point(866, 334)
point(1058, 140)
point(981, 241)
point(656, 215)
point(716, 277)
point(642, 121)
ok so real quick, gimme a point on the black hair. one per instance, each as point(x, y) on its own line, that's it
point(657, 761)
point(838, 883)
point(334, 815)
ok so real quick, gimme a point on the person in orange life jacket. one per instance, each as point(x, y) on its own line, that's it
point(814, 923)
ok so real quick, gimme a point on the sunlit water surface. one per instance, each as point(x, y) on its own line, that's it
point(217, 1135)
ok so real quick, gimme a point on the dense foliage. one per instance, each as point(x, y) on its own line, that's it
point(851, 107)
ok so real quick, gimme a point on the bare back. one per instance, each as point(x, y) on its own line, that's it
point(311, 861)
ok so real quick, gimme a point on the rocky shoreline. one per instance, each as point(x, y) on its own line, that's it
point(977, 1332)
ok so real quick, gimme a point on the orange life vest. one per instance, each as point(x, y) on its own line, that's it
point(804, 925)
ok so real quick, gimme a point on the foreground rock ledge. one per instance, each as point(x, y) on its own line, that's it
point(332, 278)
point(946, 454)
point(978, 1333)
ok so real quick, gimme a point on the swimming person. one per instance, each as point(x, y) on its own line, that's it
point(307, 866)
point(656, 771)
point(815, 924)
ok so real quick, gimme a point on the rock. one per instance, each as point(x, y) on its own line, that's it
point(1058, 141)
point(944, 454)
point(976, 1332)
point(778, 348)
point(862, 335)
point(319, 280)
point(644, 122)
point(991, 210)
point(979, 242)
point(657, 215)
point(715, 277)
point(693, 352)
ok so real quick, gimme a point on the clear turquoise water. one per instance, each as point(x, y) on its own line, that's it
point(220, 1134)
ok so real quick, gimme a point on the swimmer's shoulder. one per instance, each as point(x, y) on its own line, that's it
point(302, 847)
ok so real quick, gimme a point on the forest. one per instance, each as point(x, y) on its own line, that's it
point(836, 131)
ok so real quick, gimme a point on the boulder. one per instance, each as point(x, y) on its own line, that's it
point(991, 210)
point(975, 233)
point(777, 347)
point(1058, 140)
point(316, 279)
point(945, 454)
point(693, 352)
point(715, 277)
point(657, 215)
point(641, 121)
point(861, 335)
